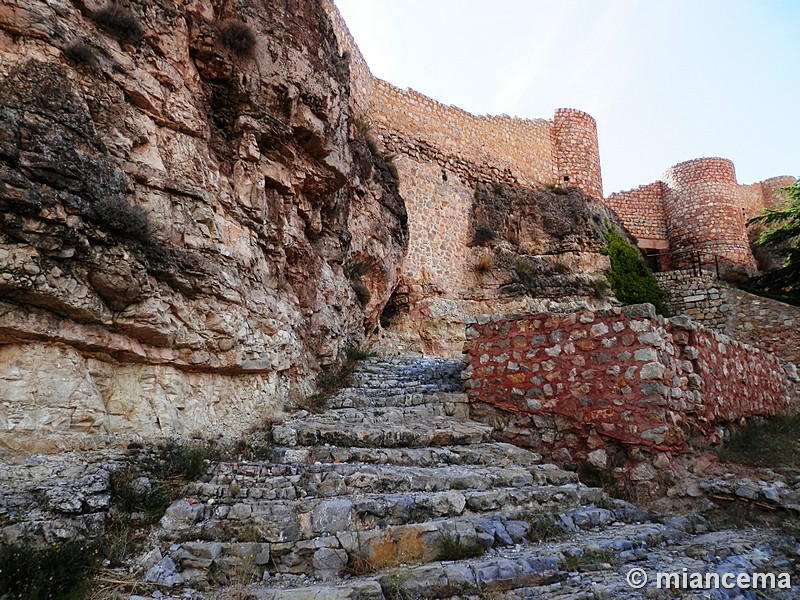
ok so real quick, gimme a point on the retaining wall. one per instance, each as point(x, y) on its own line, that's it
point(616, 381)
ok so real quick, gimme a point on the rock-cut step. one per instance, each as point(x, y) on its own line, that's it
point(504, 568)
point(417, 426)
point(498, 454)
point(400, 382)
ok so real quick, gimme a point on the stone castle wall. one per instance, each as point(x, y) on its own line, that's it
point(503, 149)
point(763, 322)
point(701, 205)
point(642, 211)
point(696, 205)
point(573, 384)
point(577, 153)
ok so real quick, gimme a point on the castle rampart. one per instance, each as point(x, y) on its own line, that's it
point(696, 205)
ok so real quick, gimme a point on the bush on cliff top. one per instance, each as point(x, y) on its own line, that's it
point(630, 279)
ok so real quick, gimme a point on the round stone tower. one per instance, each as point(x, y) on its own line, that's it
point(703, 212)
point(576, 151)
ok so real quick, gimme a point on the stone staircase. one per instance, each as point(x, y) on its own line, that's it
point(394, 494)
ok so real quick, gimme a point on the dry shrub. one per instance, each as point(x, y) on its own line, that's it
point(120, 22)
point(238, 36)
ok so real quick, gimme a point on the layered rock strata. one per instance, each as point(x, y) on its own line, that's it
point(187, 212)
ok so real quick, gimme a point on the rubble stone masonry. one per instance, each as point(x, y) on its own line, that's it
point(702, 210)
point(579, 382)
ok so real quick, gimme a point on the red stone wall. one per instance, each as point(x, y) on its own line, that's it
point(701, 203)
point(576, 151)
point(572, 384)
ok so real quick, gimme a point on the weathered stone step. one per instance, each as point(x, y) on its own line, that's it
point(282, 520)
point(454, 404)
point(381, 427)
point(240, 481)
point(356, 590)
point(595, 570)
point(492, 453)
point(324, 541)
point(516, 567)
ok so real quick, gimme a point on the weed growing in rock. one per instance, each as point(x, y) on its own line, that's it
point(363, 127)
point(449, 548)
point(394, 585)
point(134, 492)
point(482, 235)
point(238, 36)
point(331, 380)
point(55, 571)
point(355, 353)
point(544, 526)
point(124, 219)
point(588, 560)
point(767, 443)
point(123, 538)
point(184, 461)
point(523, 267)
point(359, 565)
point(600, 287)
point(120, 22)
point(594, 476)
point(80, 54)
point(256, 445)
point(483, 265)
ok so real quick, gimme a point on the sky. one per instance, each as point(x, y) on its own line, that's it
point(666, 80)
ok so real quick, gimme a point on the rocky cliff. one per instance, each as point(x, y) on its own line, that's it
point(187, 210)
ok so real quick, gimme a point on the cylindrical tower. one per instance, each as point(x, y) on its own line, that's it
point(701, 203)
point(577, 156)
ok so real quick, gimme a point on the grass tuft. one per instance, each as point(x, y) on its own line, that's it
point(544, 527)
point(56, 571)
point(483, 264)
point(113, 213)
point(449, 548)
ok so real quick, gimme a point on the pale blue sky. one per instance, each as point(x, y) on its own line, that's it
point(666, 80)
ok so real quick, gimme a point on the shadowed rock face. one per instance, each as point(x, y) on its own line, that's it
point(177, 219)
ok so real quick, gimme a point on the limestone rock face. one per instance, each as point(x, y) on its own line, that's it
point(179, 216)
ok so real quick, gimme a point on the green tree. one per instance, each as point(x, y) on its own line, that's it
point(783, 231)
point(631, 280)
